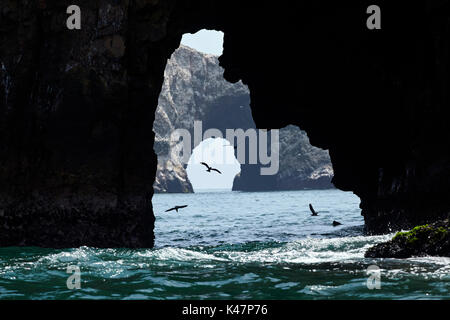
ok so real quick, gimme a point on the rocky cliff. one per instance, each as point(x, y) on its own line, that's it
point(77, 106)
point(194, 89)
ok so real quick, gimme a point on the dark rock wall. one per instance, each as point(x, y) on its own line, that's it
point(77, 158)
point(375, 98)
point(76, 107)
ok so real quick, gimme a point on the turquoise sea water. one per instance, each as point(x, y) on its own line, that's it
point(232, 245)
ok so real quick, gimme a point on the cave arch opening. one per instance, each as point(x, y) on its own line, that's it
point(195, 91)
point(205, 41)
point(219, 154)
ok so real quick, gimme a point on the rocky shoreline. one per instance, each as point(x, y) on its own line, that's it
point(426, 240)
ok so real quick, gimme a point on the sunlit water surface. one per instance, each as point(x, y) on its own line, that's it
point(236, 245)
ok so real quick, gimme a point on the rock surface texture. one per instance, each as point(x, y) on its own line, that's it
point(427, 240)
point(77, 106)
point(194, 90)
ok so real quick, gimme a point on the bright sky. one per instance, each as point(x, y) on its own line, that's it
point(219, 154)
point(206, 41)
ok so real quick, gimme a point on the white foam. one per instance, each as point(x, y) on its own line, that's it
point(178, 254)
point(310, 250)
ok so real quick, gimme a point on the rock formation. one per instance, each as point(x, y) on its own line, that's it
point(302, 166)
point(77, 106)
point(194, 89)
point(426, 240)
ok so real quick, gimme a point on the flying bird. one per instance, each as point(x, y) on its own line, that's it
point(314, 212)
point(176, 208)
point(209, 169)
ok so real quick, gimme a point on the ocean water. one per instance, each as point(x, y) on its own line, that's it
point(233, 245)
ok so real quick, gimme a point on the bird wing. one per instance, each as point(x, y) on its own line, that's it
point(205, 164)
point(181, 207)
point(170, 209)
point(312, 209)
point(216, 170)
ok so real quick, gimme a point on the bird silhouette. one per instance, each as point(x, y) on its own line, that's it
point(336, 223)
point(176, 208)
point(209, 169)
point(314, 212)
